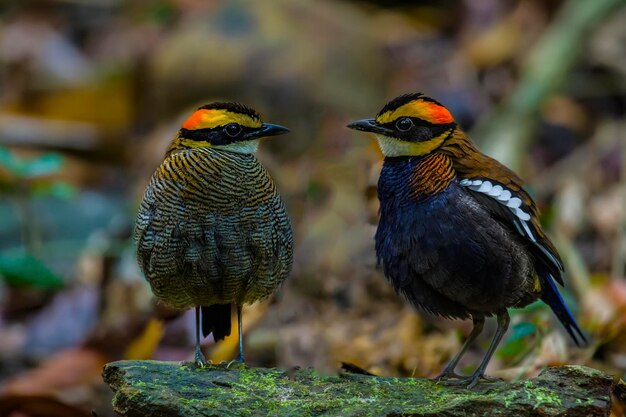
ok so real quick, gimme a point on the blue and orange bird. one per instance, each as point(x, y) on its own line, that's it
point(212, 230)
point(458, 235)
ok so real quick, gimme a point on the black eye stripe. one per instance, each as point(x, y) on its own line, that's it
point(440, 129)
point(420, 131)
point(416, 121)
point(233, 129)
point(215, 136)
point(404, 124)
point(421, 122)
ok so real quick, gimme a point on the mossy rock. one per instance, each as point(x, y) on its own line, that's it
point(151, 388)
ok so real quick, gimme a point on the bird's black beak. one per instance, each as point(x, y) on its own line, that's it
point(370, 125)
point(267, 129)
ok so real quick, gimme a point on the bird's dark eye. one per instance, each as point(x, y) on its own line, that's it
point(404, 124)
point(232, 130)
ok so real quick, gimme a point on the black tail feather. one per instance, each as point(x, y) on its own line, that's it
point(552, 298)
point(216, 320)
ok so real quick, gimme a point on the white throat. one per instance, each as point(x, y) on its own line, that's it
point(393, 147)
point(245, 146)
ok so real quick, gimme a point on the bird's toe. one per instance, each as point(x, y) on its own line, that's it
point(447, 376)
point(468, 382)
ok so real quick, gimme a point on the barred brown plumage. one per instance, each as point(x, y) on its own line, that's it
point(212, 229)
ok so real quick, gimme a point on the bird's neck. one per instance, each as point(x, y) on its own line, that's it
point(248, 147)
point(469, 162)
point(415, 178)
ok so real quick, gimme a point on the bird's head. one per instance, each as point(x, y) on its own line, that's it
point(228, 126)
point(409, 125)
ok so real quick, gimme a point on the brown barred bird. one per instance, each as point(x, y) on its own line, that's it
point(458, 235)
point(212, 230)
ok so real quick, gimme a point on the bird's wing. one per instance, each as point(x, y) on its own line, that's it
point(513, 206)
point(500, 190)
point(518, 209)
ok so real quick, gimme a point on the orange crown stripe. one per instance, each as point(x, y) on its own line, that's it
point(439, 114)
point(210, 118)
point(425, 110)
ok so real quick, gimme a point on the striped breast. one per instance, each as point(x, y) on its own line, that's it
point(212, 229)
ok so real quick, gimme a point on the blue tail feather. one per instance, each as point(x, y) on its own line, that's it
point(552, 298)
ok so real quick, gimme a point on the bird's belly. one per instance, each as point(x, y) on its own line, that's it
point(205, 257)
point(448, 255)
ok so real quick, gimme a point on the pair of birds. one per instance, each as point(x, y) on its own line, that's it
point(458, 235)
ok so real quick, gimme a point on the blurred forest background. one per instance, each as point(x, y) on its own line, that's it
point(92, 91)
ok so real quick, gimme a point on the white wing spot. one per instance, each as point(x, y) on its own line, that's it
point(522, 214)
point(485, 187)
point(495, 191)
point(504, 197)
point(514, 203)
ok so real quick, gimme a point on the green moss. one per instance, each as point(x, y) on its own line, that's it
point(302, 393)
point(546, 396)
point(586, 401)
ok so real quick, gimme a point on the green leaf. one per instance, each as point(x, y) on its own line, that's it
point(517, 343)
point(57, 189)
point(512, 349)
point(19, 268)
point(530, 308)
point(9, 162)
point(46, 164)
point(522, 330)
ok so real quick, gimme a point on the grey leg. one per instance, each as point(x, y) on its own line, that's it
point(448, 371)
point(198, 357)
point(503, 325)
point(240, 357)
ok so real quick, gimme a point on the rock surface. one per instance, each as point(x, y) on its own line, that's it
point(151, 388)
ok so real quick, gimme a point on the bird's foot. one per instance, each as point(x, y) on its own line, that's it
point(447, 375)
point(199, 360)
point(469, 381)
point(196, 363)
point(239, 360)
point(488, 378)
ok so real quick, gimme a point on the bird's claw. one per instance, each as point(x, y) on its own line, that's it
point(446, 376)
point(488, 378)
point(198, 363)
point(199, 360)
point(238, 360)
point(468, 381)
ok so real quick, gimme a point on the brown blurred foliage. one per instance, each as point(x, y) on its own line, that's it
point(102, 87)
